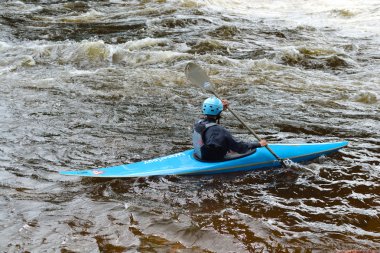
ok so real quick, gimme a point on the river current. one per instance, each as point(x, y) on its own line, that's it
point(89, 84)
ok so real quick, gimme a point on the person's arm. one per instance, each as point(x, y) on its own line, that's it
point(241, 146)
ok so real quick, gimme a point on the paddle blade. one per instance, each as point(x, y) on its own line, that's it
point(197, 76)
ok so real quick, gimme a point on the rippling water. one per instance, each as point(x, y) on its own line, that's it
point(87, 84)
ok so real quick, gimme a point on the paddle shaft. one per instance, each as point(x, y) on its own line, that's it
point(251, 130)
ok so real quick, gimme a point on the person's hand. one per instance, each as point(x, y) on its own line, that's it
point(225, 104)
point(263, 143)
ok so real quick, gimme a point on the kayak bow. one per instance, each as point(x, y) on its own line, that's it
point(184, 163)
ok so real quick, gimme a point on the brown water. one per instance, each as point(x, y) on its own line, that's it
point(87, 84)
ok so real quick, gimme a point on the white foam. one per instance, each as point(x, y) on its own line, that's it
point(143, 58)
point(4, 46)
point(354, 16)
point(89, 16)
point(146, 42)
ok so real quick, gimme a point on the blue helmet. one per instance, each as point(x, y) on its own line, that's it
point(212, 106)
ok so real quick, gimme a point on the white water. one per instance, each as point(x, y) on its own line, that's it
point(353, 16)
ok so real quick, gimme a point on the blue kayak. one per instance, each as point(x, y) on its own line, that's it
point(184, 163)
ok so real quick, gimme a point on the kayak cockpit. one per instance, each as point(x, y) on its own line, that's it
point(230, 156)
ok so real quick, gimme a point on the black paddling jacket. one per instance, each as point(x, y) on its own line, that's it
point(212, 141)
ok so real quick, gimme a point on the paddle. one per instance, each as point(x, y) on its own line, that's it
point(197, 76)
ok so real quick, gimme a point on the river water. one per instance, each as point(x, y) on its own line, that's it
point(88, 84)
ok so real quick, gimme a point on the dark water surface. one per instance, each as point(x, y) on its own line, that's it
point(87, 84)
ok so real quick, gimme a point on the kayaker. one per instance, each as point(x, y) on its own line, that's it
point(211, 141)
